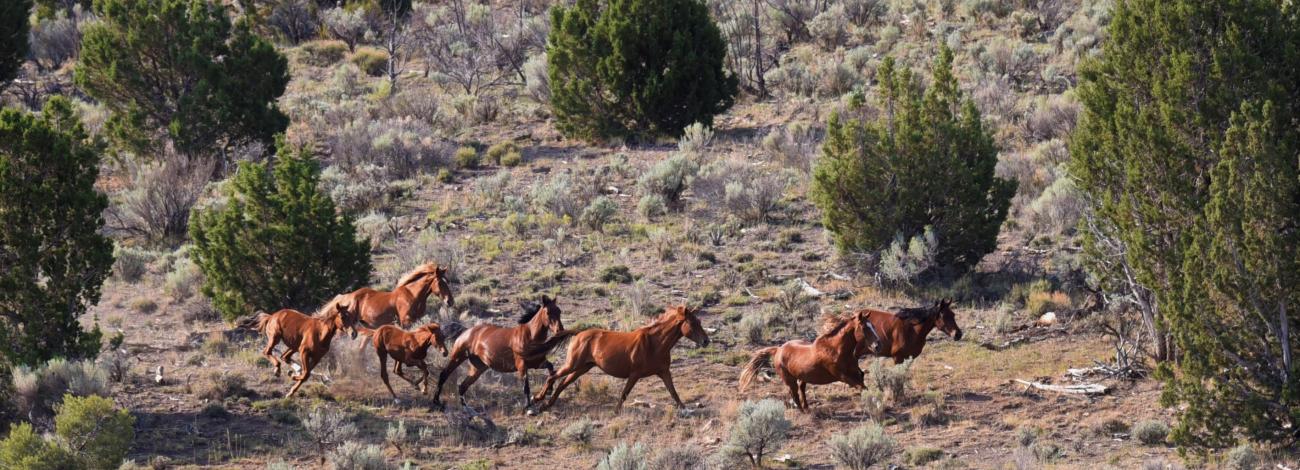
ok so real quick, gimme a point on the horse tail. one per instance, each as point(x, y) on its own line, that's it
point(257, 321)
point(545, 347)
point(762, 358)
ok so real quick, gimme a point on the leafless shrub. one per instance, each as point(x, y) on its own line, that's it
point(794, 145)
point(400, 146)
point(537, 80)
point(754, 200)
point(37, 391)
point(456, 40)
point(349, 26)
point(791, 17)
point(55, 41)
point(157, 206)
point(327, 428)
point(295, 20)
point(1052, 117)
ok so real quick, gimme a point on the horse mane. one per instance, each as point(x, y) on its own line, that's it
point(832, 324)
point(917, 314)
point(530, 311)
point(416, 274)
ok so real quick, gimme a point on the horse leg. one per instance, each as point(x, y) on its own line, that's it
point(570, 375)
point(307, 364)
point(270, 346)
point(792, 384)
point(452, 364)
point(423, 386)
point(627, 388)
point(383, 374)
point(521, 368)
point(803, 393)
point(550, 382)
point(287, 357)
point(667, 377)
point(476, 368)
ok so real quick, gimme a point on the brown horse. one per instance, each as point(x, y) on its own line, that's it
point(406, 349)
point(505, 349)
point(903, 335)
point(643, 352)
point(308, 336)
point(405, 304)
point(831, 357)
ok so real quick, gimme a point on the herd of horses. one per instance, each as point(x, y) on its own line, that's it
point(632, 355)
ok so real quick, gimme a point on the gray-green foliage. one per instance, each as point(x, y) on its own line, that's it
point(760, 429)
point(668, 179)
point(624, 457)
point(863, 447)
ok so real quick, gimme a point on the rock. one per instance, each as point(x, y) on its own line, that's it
point(1048, 319)
point(158, 375)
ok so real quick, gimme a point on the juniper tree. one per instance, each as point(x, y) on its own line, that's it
point(1187, 151)
point(277, 241)
point(178, 71)
point(13, 38)
point(636, 67)
point(927, 161)
point(54, 257)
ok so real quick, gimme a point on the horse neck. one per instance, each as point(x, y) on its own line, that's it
point(420, 290)
point(664, 335)
point(924, 328)
point(845, 340)
point(536, 327)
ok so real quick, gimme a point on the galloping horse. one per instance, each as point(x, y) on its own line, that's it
point(831, 357)
point(405, 304)
point(643, 352)
point(308, 336)
point(903, 335)
point(406, 349)
point(505, 349)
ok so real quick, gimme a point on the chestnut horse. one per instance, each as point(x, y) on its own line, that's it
point(405, 304)
point(308, 336)
point(903, 335)
point(831, 357)
point(406, 349)
point(504, 349)
point(642, 352)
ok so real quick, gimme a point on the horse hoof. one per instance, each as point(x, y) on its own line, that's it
point(531, 412)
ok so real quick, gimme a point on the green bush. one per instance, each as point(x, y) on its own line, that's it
point(1242, 457)
point(130, 263)
point(615, 273)
point(324, 53)
point(373, 62)
point(930, 162)
point(1151, 432)
point(919, 456)
point(26, 450)
point(604, 83)
point(37, 391)
point(354, 455)
point(278, 241)
point(651, 206)
point(466, 158)
point(863, 447)
point(600, 212)
point(98, 433)
point(579, 432)
point(496, 154)
point(513, 158)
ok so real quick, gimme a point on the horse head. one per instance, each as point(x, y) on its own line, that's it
point(691, 327)
point(343, 318)
point(542, 316)
point(435, 338)
point(946, 320)
point(441, 288)
point(866, 335)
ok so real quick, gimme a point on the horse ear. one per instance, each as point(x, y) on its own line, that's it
point(547, 299)
point(440, 270)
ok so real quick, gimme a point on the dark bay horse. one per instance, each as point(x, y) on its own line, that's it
point(831, 357)
point(405, 348)
point(405, 304)
point(643, 352)
point(903, 335)
point(505, 349)
point(309, 337)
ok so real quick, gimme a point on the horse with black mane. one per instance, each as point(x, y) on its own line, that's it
point(505, 349)
point(903, 334)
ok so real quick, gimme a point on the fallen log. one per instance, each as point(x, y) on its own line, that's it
point(1081, 389)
